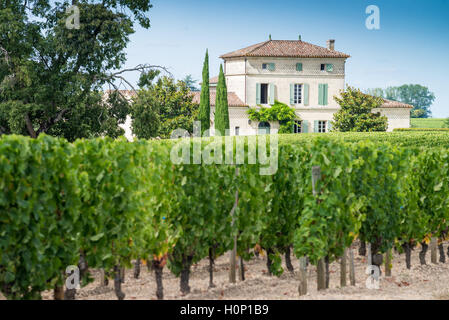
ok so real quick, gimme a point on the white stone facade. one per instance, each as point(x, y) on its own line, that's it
point(243, 74)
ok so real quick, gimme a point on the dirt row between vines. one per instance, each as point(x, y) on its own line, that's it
point(429, 281)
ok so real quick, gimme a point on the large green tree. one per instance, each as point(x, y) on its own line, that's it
point(161, 107)
point(190, 82)
point(416, 95)
point(51, 75)
point(355, 113)
point(204, 114)
point(221, 105)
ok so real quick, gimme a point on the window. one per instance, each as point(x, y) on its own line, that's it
point(264, 93)
point(327, 67)
point(297, 127)
point(299, 67)
point(321, 126)
point(297, 93)
point(268, 66)
point(237, 131)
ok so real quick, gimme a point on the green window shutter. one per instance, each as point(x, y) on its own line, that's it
point(306, 94)
point(325, 90)
point(320, 94)
point(271, 67)
point(299, 67)
point(329, 67)
point(315, 126)
point(304, 126)
point(271, 97)
point(292, 93)
point(257, 93)
point(329, 126)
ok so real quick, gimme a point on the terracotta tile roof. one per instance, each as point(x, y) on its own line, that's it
point(233, 99)
point(395, 104)
point(285, 48)
point(213, 80)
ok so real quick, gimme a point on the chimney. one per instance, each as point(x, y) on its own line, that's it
point(299, 37)
point(331, 44)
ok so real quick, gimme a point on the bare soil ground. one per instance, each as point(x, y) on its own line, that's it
point(429, 281)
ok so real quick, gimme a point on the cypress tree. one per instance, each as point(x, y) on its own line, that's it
point(204, 112)
point(221, 104)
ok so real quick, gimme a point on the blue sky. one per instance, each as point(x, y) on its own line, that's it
point(412, 45)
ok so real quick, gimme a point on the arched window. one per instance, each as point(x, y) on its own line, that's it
point(264, 128)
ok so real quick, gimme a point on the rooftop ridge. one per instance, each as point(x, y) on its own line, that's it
point(285, 48)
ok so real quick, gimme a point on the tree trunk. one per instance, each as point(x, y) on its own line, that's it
point(82, 264)
point(122, 275)
point(58, 292)
point(362, 248)
point(376, 257)
point(233, 262)
point(408, 254)
point(185, 273)
point(388, 263)
point(269, 262)
point(6, 289)
point(343, 268)
point(351, 268)
point(433, 250)
point(118, 283)
point(70, 294)
point(302, 289)
point(211, 268)
point(242, 270)
point(158, 272)
point(448, 251)
point(369, 255)
point(422, 253)
point(326, 262)
point(137, 268)
point(321, 276)
point(442, 255)
point(288, 261)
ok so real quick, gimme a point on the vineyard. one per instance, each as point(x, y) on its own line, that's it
point(104, 204)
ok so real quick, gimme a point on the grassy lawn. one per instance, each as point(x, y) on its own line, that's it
point(428, 123)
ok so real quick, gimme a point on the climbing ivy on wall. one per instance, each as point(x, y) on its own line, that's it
point(278, 112)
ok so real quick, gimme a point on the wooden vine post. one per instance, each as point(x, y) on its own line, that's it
point(321, 268)
point(321, 274)
point(343, 268)
point(233, 257)
point(351, 268)
point(370, 257)
point(302, 289)
point(388, 263)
